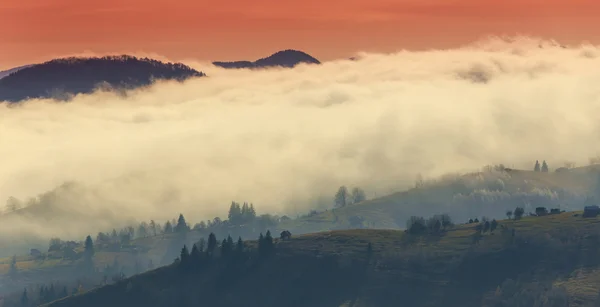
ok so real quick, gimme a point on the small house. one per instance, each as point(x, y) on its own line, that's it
point(541, 211)
point(591, 211)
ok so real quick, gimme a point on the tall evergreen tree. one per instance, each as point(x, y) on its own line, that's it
point(544, 167)
point(224, 249)
point(182, 226)
point(235, 214)
point(168, 227)
point(268, 246)
point(184, 257)
point(88, 253)
point(244, 211)
point(251, 213)
point(195, 254)
point(153, 227)
point(230, 243)
point(536, 168)
point(212, 243)
point(201, 244)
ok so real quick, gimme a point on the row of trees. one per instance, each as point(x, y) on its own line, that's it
point(240, 215)
point(205, 250)
point(435, 224)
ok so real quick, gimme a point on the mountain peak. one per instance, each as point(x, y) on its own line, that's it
point(288, 58)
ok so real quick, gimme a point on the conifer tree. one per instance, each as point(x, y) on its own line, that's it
point(235, 214)
point(184, 256)
point(536, 168)
point(88, 254)
point(212, 243)
point(224, 249)
point(195, 254)
point(230, 243)
point(153, 227)
point(168, 227)
point(182, 226)
point(544, 167)
point(269, 247)
point(201, 245)
point(244, 211)
point(251, 213)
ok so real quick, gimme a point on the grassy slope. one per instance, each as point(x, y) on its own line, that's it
point(454, 271)
point(381, 212)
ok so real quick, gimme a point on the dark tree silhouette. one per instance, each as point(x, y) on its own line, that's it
point(184, 256)
point(518, 213)
point(358, 195)
point(182, 226)
point(168, 227)
point(536, 168)
point(88, 254)
point(341, 197)
point(544, 167)
point(212, 243)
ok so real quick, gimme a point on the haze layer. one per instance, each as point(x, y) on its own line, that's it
point(286, 139)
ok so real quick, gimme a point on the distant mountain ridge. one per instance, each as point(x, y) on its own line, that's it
point(286, 58)
point(65, 77)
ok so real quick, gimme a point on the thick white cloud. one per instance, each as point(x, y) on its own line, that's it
point(284, 139)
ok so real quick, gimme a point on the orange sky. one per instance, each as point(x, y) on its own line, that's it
point(36, 30)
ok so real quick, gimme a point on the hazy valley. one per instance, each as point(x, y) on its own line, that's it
point(376, 166)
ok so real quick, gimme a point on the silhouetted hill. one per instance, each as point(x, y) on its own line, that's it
point(62, 78)
point(286, 58)
point(12, 70)
point(535, 261)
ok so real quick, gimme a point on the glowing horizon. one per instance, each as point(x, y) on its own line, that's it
point(34, 31)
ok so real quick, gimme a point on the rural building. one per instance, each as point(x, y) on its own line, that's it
point(591, 211)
